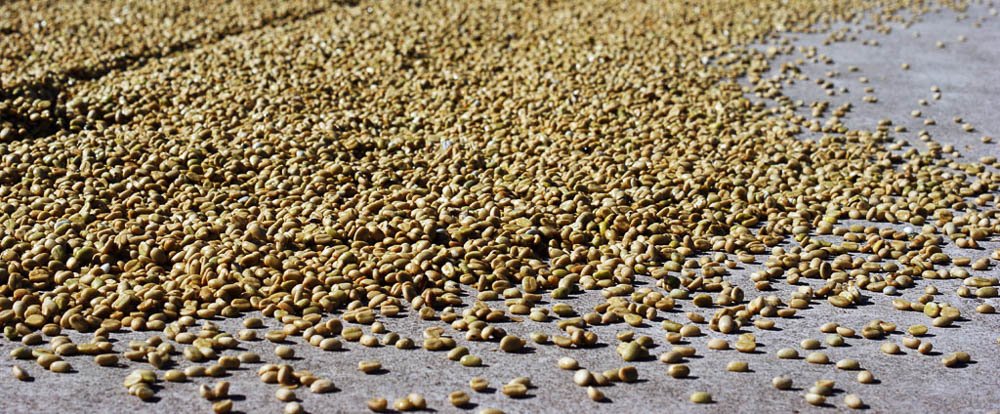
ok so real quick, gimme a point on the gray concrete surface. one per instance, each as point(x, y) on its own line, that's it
point(970, 81)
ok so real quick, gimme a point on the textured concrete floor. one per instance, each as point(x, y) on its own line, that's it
point(969, 80)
